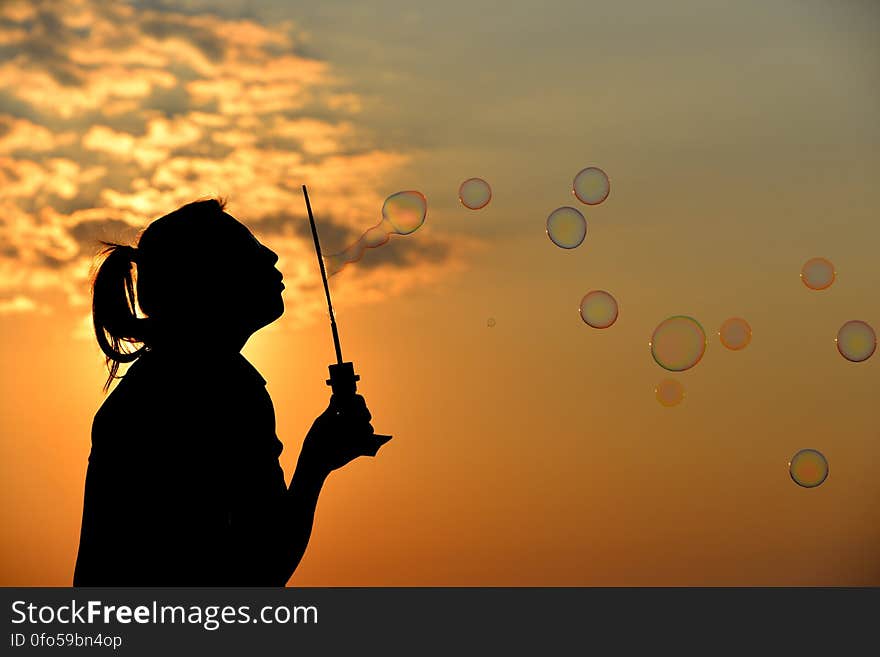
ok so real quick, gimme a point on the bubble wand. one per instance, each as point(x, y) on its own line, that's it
point(343, 380)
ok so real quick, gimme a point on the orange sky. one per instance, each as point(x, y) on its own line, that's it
point(740, 141)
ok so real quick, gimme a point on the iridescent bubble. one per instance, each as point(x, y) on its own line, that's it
point(735, 333)
point(376, 236)
point(856, 341)
point(818, 273)
point(566, 227)
point(474, 193)
point(405, 211)
point(808, 468)
point(598, 309)
point(490, 322)
point(591, 186)
point(402, 213)
point(669, 392)
point(678, 343)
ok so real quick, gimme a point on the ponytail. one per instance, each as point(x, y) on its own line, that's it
point(113, 308)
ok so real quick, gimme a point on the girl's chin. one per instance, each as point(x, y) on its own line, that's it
point(277, 311)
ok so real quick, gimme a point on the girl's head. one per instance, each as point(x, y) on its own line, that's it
point(197, 275)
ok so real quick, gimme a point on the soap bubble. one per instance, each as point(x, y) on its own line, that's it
point(474, 193)
point(402, 213)
point(735, 333)
point(598, 309)
point(808, 468)
point(375, 236)
point(669, 392)
point(490, 322)
point(856, 341)
point(591, 186)
point(405, 211)
point(818, 273)
point(566, 227)
point(678, 343)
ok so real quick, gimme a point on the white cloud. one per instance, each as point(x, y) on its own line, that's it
point(116, 115)
point(22, 304)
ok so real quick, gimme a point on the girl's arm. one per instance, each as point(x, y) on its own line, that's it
point(338, 436)
point(302, 500)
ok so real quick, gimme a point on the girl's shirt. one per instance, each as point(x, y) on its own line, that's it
point(183, 485)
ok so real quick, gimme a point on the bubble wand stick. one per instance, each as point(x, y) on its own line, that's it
point(343, 380)
point(333, 328)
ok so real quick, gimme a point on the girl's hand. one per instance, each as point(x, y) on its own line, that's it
point(340, 434)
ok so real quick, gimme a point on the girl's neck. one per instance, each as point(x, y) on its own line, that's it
point(218, 345)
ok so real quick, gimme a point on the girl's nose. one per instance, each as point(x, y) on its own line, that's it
point(273, 257)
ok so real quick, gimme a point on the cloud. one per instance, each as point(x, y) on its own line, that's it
point(18, 134)
point(113, 114)
point(22, 304)
point(89, 233)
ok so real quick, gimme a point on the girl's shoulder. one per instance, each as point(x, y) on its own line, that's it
point(157, 383)
point(196, 367)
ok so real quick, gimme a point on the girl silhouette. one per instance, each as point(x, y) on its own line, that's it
point(183, 486)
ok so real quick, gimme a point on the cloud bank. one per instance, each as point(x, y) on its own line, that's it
point(112, 115)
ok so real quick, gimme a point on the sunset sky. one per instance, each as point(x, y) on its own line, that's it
point(741, 139)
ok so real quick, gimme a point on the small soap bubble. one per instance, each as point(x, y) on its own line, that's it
point(669, 392)
point(490, 322)
point(598, 309)
point(808, 468)
point(405, 211)
point(566, 227)
point(856, 341)
point(474, 193)
point(735, 333)
point(678, 343)
point(591, 186)
point(818, 273)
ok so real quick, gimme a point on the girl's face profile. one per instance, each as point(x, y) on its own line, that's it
point(246, 279)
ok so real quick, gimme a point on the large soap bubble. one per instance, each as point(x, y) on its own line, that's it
point(598, 309)
point(566, 227)
point(402, 213)
point(474, 193)
point(808, 468)
point(856, 341)
point(591, 186)
point(678, 343)
point(818, 273)
point(735, 333)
